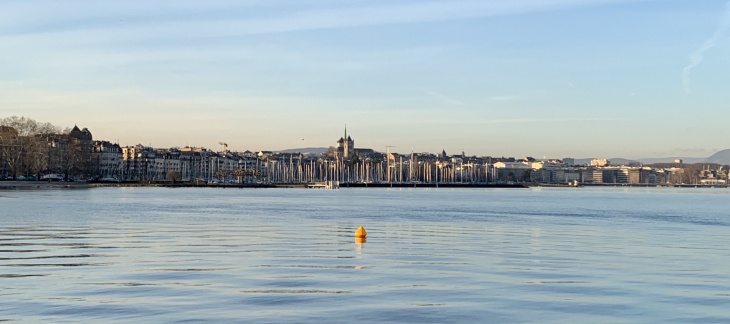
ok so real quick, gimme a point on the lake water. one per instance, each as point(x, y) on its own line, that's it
point(540, 255)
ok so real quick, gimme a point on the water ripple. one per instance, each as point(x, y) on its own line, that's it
point(432, 256)
point(295, 291)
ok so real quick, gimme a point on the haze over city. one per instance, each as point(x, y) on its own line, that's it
point(555, 78)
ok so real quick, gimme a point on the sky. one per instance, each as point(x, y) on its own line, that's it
point(541, 78)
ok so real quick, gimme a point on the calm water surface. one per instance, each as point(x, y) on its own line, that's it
point(605, 255)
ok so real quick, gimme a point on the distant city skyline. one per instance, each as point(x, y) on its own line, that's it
point(552, 78)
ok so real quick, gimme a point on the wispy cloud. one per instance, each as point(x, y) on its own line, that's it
point(698, 55)
point(549, 120)
point(445, 99)
point(695, 151)
point(505, 98)
point(278, 16)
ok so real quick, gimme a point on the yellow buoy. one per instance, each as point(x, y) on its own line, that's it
point(361, 233)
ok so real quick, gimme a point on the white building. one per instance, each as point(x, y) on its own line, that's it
point(106, 160)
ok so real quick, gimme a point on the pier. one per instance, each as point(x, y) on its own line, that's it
point(324, 185)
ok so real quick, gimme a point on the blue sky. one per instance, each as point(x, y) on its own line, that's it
point(553, 78)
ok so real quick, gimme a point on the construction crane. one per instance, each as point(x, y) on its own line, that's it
point(225, 146)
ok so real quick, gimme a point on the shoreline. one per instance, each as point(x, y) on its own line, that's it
point(56, 185)
point(42, 185)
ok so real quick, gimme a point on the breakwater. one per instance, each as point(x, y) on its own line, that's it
point(308, 185)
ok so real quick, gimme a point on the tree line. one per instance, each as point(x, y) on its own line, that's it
point(32, 148)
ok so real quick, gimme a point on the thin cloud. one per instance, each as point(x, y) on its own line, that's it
point(698, 55)
point(300, 18)
point(445, 99)
point(695, 151)
point(549, 120)
point(504, 98)
point(416, 12)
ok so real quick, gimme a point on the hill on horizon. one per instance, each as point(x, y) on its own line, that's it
point(686, 160)
point(306, 150)
point(623, 161)
point(721, 157)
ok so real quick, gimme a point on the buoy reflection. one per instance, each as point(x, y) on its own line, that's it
point(360, 238)
point(360, 241)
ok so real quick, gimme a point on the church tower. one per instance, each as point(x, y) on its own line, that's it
point(346, 146)
point(349, 149)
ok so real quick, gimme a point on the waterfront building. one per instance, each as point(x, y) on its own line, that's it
point(511, 165)
point(167, 165)
point(610, 175)
point(512, 171)
point(541, 176)
point(634, 176)
point(31, 155)
point(599, 162)
point(365, 152)
point(555, 175)
point(592, 175)
point(195, 163)
point(648, 176)
point(69, 154)
point(106, 160)
point(622, 175)
point(138, 163)
point(572, 176)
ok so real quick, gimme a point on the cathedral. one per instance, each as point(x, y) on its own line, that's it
point(345, 146)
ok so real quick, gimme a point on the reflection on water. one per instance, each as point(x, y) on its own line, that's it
point(272, 256)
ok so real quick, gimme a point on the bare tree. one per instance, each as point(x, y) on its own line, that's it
point(173, 176)
point(71, 159)
point(24, 145)
point(36, 155)
point(24, 126)
point(11, 151)
point(17, 142)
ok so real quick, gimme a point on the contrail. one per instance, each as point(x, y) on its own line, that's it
point(698, 55)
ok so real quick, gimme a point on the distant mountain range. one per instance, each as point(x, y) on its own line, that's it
point(622, 161)
point(306, 150)
point(721, 157)
point(686, 160)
